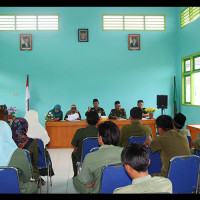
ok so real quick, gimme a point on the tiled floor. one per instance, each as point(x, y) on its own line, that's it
point(62, 166)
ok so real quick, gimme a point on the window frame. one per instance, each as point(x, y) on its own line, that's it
point(123, 15)
point(190, 18)
point(36, 21)
point(191, 74)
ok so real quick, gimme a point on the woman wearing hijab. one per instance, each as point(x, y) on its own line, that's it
point(12, 156)
point(57, 113)
point(19, 128)
point(36, 130)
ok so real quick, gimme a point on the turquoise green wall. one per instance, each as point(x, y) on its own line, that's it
point(188, 44)
point(64, 71)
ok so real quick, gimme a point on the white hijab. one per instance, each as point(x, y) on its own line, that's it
point(7, 144)
point(35, 129)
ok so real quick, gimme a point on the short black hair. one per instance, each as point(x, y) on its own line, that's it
point(109, 132)
point(140, 101)
point(165, 122)
point(179, 120)
point(137, 156)
point(92, 117)
point(95, 100)
point(136, 113)
point(117, 102)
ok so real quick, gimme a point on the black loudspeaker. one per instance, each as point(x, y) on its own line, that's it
point(162, 101)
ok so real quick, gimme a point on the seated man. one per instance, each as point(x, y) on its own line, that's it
point(135, 128)
point(90, 130)
point(140, 104)
point(96, 108)
point(88, 181)
point(196, 143)
point(118, 112)
point(169, 143)
point(179, 122)
point(135, 158)
point(72, 111)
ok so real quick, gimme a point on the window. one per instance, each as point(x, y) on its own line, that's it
point(29, 22)
point(189, 14)
point(133, 22)
point(191, 80)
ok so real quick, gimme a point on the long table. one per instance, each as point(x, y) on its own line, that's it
point(62, 132)
point(194, 131)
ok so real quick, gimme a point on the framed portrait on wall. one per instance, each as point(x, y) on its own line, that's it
point(134, 41)
point(26, 42)
point(83, 35)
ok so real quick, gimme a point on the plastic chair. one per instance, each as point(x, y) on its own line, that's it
point(184, 174)
point(113, 176)
point(137, 139)
point(43, 163)
point(88, 144)
point(29, 160)
point(155, 162)
point(9, 180)
point(189, 140)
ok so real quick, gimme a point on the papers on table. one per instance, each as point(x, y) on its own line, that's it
point(73, 117)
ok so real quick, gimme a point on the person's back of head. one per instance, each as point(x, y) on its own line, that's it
point(136, 156)
point(136, 113)
point(109, 132)
point(92, 117)
point(165, 122)
point(179, 121)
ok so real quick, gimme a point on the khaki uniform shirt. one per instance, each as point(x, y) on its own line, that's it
point(99, 110)
point(134, 129)
point(114, 112)
point(147, 184)
point(19, 160)
point(170, 144)
point(92, 166)
point(80, 135)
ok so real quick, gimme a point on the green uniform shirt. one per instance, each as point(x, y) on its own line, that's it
point(147, 184)
point(70, 113)
point(171, 143)
point(80, 135)
point(92, 166)
point(19, 160)
point(114, 112)
point(99, 110)
point(134, 129)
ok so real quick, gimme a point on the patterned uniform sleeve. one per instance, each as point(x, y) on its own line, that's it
point(111, 114)
point(124, 114)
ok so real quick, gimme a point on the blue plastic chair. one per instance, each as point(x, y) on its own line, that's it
point(184, 174)
point(155, 162)
point(198, 153)
point(137, 139)
point(88, 144)
point(43, 163)
point(113, 176)
point(29, 160)
point(189, 140)
point(9, 180)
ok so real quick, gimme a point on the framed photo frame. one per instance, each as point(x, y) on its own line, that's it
point(25, 42)
point(134, 41)
point(83, 35)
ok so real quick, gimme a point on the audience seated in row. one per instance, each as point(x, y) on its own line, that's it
point(13, 156)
